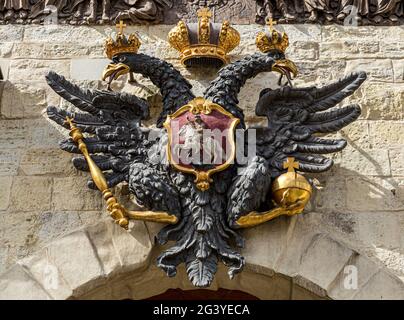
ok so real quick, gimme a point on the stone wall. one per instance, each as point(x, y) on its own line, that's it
point(361, 203)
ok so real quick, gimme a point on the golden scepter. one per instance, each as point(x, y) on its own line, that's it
point(116, 210)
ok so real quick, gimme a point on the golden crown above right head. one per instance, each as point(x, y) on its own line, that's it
point(204, 43)
point(121, 44)
point(272, 40)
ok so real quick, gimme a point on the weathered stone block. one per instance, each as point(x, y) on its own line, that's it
point(5, 67)
point(323, 260)
point(352, 278)
point(53, 224)
point(118, 249)
point(64, 34)
point(376, 69)
point(341, 221)
point(17, 284)
point(133, 247)
point(349, 49)
point(4, 252)
point(96, 51)
point(77, 262)
point(155, 43)
point(46, 161)
point(397, 161)
point(11, 33)
point(386, 134)
point(22, 100)
point(88, 69)
point(30, 69)
point(264, 255)
point(357, 133)
point(72, 193)
point(5, 188)
point(340, 33)
point(332, 196)
point(9, 162)
point(88, 217)
point(398, 68)
point(309, 74)
point(301, 32)
point(41, 133)
point(299, 237)
point(374, 194)
point(12, 134)
point(382, 231)
point(382, 286)
point(101, 238)
point(247, 41)
point(299, 293)
point(65, 50)
point(31, 194)
point(17, 236)
point(368, 162)
point(393, 260)
point(381, 102)
point(28, 50)
point(301, 50)
point(45, 272)
point(5, 49)
point(393, 49)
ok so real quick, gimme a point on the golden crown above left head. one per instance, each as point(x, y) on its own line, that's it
point(121, 44)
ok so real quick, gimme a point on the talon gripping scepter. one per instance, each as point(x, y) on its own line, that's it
point(116, 210)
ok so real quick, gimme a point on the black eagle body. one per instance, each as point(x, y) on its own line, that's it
point(128, 152)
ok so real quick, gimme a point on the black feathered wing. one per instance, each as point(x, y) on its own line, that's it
point(295, 117)
point(116, 141)
point(112, 124)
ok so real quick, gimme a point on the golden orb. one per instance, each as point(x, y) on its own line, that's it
point(291, 188)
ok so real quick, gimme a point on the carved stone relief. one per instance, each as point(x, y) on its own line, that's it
point(347, 12)
point(82, 11)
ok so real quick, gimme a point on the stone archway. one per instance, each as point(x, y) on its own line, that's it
point(290, 258)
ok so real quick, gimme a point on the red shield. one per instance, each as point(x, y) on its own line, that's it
point(201, 140)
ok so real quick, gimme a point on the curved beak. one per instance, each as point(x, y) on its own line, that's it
point(114, 71)
point(285, 66)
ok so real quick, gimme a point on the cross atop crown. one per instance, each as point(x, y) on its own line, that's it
point(291, 164)
point(122, 43)
point(270, 23)
point(121, 26)
point(204, 13)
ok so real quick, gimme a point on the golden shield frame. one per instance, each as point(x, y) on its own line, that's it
point(201, 105)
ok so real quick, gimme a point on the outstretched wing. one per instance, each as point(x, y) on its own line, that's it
point(112, 123)
point(295, 116)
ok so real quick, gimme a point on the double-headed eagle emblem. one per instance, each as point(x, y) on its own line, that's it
point(188, 175)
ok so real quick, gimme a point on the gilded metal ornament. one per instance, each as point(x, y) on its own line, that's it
point(204, 43)
point(203, 204)
point(210, 111)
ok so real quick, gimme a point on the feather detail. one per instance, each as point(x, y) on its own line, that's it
point(80, 98)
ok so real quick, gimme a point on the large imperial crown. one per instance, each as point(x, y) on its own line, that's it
point(204, 43)
point(122, 43)
point(272, 40)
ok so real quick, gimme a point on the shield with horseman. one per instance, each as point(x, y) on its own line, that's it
point(201, 140)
